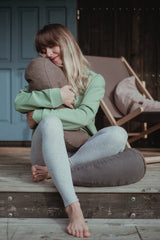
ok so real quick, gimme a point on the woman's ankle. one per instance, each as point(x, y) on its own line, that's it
point(73, 208)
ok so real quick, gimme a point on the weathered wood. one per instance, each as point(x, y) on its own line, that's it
point(149, 232)
point(101, 229)
point(11, 151)
point(145, 132)
point(149, 152)
point(15, 155)
point(130, 116)
point(139, 83)
point(108, 113)
point(31, 205)
point(109, 116)
point(21, 197)
point(15, 143)
point(94, 205)
point(19, 178)
point(150, 160)
point(106, 28)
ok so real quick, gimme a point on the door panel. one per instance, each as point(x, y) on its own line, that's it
point(56, 15)
point(19, 23)
point(5, 76)
point(28, 25)
point(5, 38)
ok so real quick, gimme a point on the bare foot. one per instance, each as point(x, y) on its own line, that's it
point(40, 173)
point(77, 226)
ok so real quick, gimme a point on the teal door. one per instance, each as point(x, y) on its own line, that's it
point(19, 22)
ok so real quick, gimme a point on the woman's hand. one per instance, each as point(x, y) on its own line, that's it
point(68, 96)
point(30, 120)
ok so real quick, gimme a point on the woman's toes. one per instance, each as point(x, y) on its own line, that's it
point(80, 234)
point(86, 233)
point(69, 230)
point(73, 232)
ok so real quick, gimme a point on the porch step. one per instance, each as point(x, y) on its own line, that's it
point(101, 229)
point(20, 197)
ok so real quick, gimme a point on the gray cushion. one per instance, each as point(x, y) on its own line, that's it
point(128, 98)
point(121, 169)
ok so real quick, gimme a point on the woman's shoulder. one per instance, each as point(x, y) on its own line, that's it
point(95, 78)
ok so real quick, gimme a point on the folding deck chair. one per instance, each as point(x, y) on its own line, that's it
point(115, 70)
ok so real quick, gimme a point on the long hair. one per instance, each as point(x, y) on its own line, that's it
point(75, 65)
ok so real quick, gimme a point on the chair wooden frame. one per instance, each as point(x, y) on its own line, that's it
point(115, 70)
point(135, 113)
point(130, 116)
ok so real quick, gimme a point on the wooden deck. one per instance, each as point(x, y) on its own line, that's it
point(31, 210)
point(101, 229)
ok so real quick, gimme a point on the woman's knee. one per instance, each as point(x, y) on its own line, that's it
point(51, 123)
point(118, 135)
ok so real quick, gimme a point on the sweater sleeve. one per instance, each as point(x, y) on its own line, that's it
point(48, 98)
point(73, 119)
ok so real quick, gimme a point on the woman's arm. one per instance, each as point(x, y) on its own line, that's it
point(73, 119)
point(27, 101)
point(49, 98)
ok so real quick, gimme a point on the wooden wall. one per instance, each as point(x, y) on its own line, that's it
point(120, 28)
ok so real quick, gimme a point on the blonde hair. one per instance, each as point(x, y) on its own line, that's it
point(75, 65)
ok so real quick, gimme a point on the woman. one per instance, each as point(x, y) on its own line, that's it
point(82, 95)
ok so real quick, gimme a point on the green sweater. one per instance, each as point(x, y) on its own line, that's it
point(45, 102)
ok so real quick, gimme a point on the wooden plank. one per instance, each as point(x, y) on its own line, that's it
point(151, 155)
point(109, 116)
point(101, 229)
point(14, 150)
point(150, 151)
point(150, 160)
point(29, 198)
point(21, 155)
point(130, 116)
point(120, 205)
point(145, 132)
point(138, 81)
point(14, 155)
point(15, 143)
point(19, 179)
point(108, 113)
point(94, 205)
point(149, 232)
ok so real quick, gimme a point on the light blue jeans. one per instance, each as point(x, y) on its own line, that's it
point(48, 148)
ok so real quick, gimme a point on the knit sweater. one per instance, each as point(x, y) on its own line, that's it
point(45, 102)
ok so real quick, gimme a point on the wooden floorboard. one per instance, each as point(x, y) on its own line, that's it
point(15, 174)
point(18, 178)
point(21, 197)
point(20, 155)
point(101, 229)
point(14, 155)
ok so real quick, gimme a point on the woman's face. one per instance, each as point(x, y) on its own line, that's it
point(53, 53)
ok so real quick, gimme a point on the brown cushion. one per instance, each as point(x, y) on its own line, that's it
point(75, 139)
point(42, 74)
